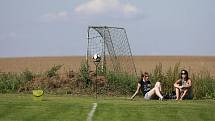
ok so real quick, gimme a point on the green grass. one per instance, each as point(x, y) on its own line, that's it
point(52, 108)
point(14, 107)
point(154, 110)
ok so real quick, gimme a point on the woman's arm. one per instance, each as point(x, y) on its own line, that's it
point(137, 91)
point(176, 84)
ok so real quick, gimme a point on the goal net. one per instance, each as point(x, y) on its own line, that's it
point(111, 43)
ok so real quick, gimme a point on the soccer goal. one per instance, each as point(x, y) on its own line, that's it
point(111, 44)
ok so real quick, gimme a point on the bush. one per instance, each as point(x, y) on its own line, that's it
point(27, 75)
point(53, 71)
point(10, 82)
point(122, 83)
point(84, 72)
point(203, 85)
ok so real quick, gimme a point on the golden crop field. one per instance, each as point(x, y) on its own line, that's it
point(195, 64)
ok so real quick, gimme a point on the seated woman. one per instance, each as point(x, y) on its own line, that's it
point(183, 86)
point(145, 86)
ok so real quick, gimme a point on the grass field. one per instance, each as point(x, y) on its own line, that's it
point(14, 107)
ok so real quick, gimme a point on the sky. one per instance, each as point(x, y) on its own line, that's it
point(31, 28)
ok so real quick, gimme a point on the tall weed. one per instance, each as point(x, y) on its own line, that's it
point(53, 71)
point(84, 72)
point(123, 83)
point(203, 85)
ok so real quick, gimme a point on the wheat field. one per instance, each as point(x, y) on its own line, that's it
point(195, 64)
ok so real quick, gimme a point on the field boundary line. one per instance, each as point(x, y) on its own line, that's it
point(91, 113)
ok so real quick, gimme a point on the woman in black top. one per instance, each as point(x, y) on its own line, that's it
point(145, 86)
point(183, 86)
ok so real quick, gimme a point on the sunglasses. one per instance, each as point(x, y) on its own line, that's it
point(183, 73)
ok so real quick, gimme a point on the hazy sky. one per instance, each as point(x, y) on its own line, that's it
point(59, 27)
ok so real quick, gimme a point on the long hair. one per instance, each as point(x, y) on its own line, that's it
point(186, 73)
point(143, 75)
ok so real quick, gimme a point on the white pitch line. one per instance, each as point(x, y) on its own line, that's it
point(91, 113)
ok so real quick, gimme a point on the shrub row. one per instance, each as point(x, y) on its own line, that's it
point(87, 82)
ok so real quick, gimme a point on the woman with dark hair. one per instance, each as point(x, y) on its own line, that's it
point(145, 86)
point(183, 86)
